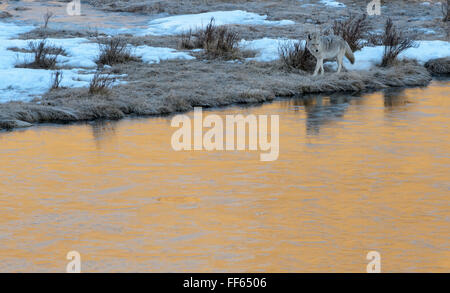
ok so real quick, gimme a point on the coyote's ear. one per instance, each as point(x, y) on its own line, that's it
point(309, 37)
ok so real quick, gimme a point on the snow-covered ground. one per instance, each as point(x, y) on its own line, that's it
point(22, 84)
point(426, 50)
point(79, 64)
point(156, 54)
point(332, 3)
point(178, 24)
point(267, 50)
point(81, 52)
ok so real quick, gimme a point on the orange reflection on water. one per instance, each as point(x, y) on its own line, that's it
point(354, 174)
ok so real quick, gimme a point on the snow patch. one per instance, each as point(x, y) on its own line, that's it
point(267, 50)
point(425, 31)
point(22, 84)
point(332, 3)
point(426, 50)
point(156, 54)
point(178, 24)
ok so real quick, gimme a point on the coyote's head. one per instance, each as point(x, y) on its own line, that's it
point(313, 42)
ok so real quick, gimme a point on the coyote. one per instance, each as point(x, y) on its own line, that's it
point(328, 47)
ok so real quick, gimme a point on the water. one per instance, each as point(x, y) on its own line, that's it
point(354, 174)
point(89, 19)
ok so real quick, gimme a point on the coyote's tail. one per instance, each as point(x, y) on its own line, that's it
point(349, 53)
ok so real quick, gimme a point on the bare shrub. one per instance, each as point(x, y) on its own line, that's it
point(394, 43)
point(47, 17)
point(101, 83)
point(375, 39)
point(294, 55)
point(186, 41)
point(226, 45)
point(446, 11)
point(45, 55)
point(56, 78)
point(114, 51)
point(352, 30)
point(217, 41)
point(207, 36)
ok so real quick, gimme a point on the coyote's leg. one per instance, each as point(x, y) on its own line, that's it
point(317, 67)
point(340, 60)
point(321, 67)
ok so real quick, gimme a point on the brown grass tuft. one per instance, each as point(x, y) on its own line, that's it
point(440, 66)
point(294, 55)
point(114, 51)
point(188, 41)
point(100, 84)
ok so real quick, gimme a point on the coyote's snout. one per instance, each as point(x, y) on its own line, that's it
point(328, 47)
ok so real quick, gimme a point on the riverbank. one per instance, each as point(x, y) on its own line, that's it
point(178, 86)
point(168, 78)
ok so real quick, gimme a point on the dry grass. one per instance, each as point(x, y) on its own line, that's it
point(188, 41)
point(375, 39)
point(100, 84)
point(440, 66)
point(394, 43)
point(217, 41)
point(114, 51)
point(40, 33)
point(5, 14)
point(44, 55)
point(129, 6)
point(294, 55)
point(353, 30)
point(178, 86)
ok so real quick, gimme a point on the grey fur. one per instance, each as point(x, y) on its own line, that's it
point(328, 47)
